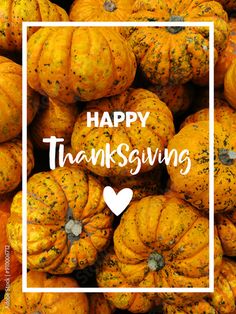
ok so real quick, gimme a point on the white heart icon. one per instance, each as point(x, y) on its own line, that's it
point(117, 202)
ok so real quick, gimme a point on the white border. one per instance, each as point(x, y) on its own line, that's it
point(211, 155)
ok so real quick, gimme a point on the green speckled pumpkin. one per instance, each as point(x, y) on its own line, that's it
point(68, 221)
point(224, 114)
point(175, 55)
point(177, 97)
point(222, 301)
point(11, 100)
point(109, 275)
point(194, 186)
point(70, 64)
point(45, 303)
point(101, 10)
point(162, 241)
point(158, 131)
point(14, 12)
point(11, 164)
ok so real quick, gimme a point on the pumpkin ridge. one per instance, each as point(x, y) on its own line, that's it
point(2, 90)
point(186, 231)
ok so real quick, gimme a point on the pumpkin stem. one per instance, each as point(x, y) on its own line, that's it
point(109, 6)
point(73, 227)
point(175, 29)
point(227, 156)
point(156, 261)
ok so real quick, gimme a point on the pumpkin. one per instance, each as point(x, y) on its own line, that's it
point(229, 85)
point(99, 304)
point(53, 119)
point(224, 114)
point(178, 97)
point(102, 10)
point(156, 134)
point(162, 241)
point(11, 100)
point(11, 164)
point(201, 98)
point(194, 186)
point(227, 56)
point(144, 184)
point(229, 5)
point(109, 275)
point(12, 268)
point(70, 64)
point(13, 13)
point(44, 303)
point(175, 55)
point(68, 222)
point(221, 301)
point(226, 224)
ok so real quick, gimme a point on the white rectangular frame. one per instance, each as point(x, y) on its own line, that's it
point(210, 25)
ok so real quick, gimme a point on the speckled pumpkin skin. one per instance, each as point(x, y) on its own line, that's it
point(228, 55)
point(109, 275)
point(11, 164)
point(144, 184)
point(71, 64)
point(224, 114)
point(15, 266)
point(172, 228)
point(178, 97)
point(14, 12)
point(11, 100)
point(54, 118)
point(45, 303)
point(50, 195)
point(158, 131)
point(230, 83)
point(98, 304)
point(226, 225)
point(101, 10)
point(193, 186)
point(221, 301)
point(175, 58)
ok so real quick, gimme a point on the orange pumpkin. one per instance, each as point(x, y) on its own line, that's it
point(229, 85)
point(158, 131)
point(10, 268)
point(70, 64)
point(109, 275)
point(194, 186)
point(98, 304)
point(46, 303)
point(224, 114)
point(11, 100)
point(68, 221)
point(53, 119)
point(221, 301)
point(13, 13)
point(144, 184)
point(178, 98)
point(226, 224)
point(227, 56)
point(175, 55)
point(101, 10)
point(162, 241)
point(11, 164)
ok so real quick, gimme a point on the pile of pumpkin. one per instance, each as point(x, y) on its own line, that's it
point(162, 238)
